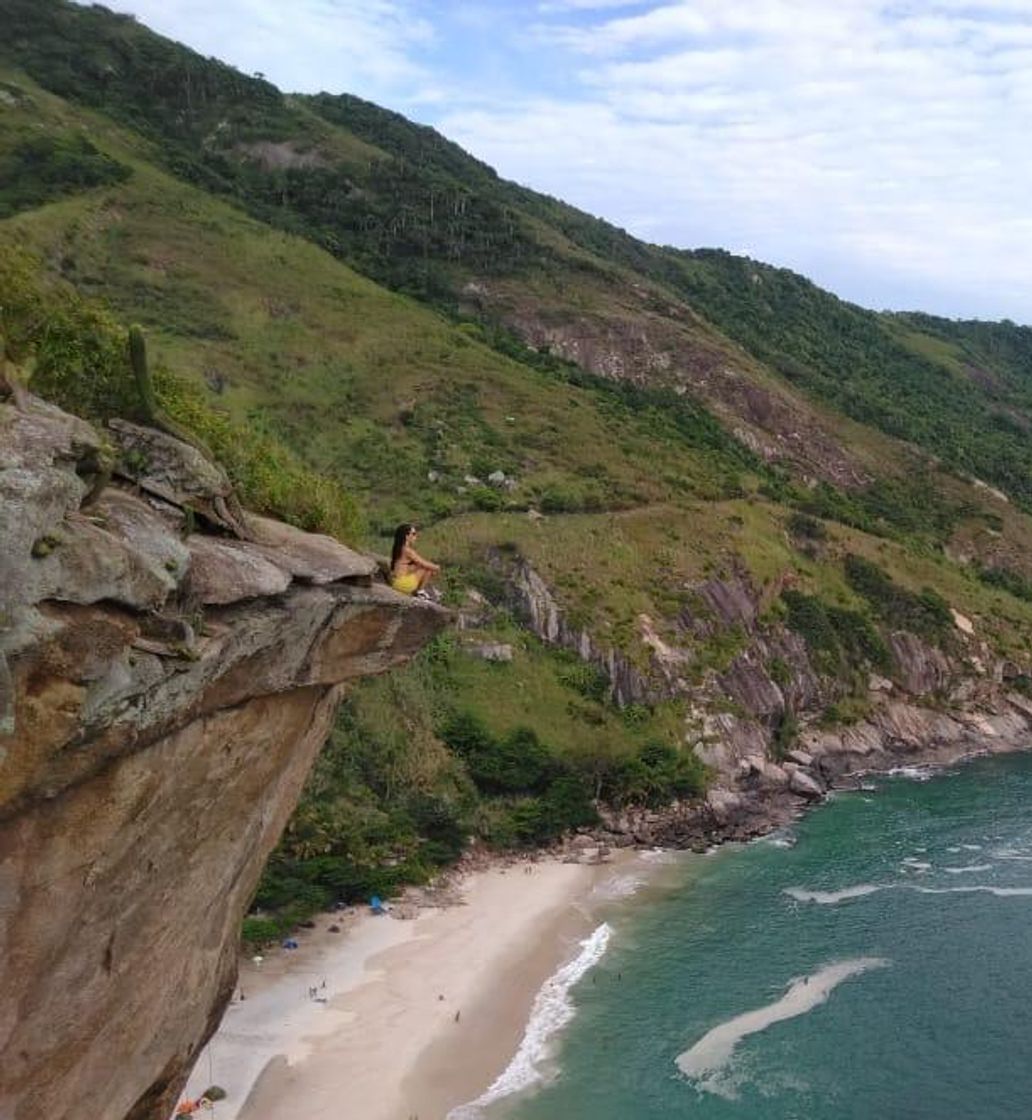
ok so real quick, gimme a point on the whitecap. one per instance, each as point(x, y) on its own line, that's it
point(911, 863)
point(913, 773)
point(965, 870)
point(1000, 892)
point(1009, 853)
point(619, 886)
point(706, 1062)
point(972, 847)
point(659, 855)
point(830, 898)
point(552, 1010)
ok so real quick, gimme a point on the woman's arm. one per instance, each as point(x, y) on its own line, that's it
point(417, 561)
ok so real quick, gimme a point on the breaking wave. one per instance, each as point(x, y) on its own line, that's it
point(552, 1010)
point(830, 898)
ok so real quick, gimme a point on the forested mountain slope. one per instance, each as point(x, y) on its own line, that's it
point(720, 494)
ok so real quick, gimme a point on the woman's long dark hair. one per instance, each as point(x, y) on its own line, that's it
point(400, 537)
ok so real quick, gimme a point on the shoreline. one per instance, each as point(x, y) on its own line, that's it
point(417, 1016)
point(383, 1022)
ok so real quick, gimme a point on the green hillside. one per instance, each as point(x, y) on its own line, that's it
point(365, 323)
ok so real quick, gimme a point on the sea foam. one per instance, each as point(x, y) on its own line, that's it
point(914, 773)
point(619, 886)
point(552, 1010)
point(1000, 892)
point(830, 898)
point(706, 1062)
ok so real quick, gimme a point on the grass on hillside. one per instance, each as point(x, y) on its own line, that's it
point(367, 386)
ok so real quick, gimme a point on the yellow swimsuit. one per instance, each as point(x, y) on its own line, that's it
point(407, 582)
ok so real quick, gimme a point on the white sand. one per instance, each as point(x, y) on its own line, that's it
point(385, 1045)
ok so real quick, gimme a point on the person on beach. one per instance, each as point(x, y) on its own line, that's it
point(410, 572)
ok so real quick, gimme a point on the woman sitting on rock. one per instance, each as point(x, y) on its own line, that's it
point(410, 573)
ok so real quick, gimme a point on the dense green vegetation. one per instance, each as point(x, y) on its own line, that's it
point(852, 359)
point(38, 169)
point(411, 773)
point(840, 640)
point(925, 613)
point(1008, 580)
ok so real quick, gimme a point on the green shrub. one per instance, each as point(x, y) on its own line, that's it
point(808, 617)
point(47, 166)
point(486, 498)
point(859, 637)
point(517, 763)
point(805, 527)
point(786, 731)
point(583, 678)
point(1006, 579)
point(836, 638)
point(657, 774)
point(926, 613)
point(260, 932)
point(847, 710)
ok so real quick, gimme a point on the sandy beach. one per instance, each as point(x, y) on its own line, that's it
point(394, 1019)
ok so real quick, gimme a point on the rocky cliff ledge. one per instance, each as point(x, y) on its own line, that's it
point(169, 668)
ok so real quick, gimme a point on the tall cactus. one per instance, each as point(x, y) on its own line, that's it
point(141, 371)
point(225, 509)
point(153, 414)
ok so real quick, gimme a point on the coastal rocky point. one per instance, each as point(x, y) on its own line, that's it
point(938, 707)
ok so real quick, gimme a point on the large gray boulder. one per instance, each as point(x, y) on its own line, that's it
point(177, 472)
point(805, 785)
point(308, 557)
point(224, 572)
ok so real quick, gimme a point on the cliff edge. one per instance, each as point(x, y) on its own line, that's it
point(169, 668)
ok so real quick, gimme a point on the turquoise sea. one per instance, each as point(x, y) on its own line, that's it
point(875, 961)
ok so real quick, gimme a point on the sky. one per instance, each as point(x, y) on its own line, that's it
point(880, 147)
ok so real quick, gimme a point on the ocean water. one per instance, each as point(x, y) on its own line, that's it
point(874, 962)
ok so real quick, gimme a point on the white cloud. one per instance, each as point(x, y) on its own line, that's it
point(303, 45)
point(853, 137)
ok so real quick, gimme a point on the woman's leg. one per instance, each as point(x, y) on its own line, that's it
point(424, 579)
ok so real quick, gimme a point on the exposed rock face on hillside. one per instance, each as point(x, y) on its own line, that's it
point(936, 708)
point(650, 341)
point(162, 697)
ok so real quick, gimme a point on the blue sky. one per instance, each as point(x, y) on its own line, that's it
point(881, 147)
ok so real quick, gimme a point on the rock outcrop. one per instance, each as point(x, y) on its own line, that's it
point(646, 339)
point(163, 694)
point(533, 602)
point(936, 708)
